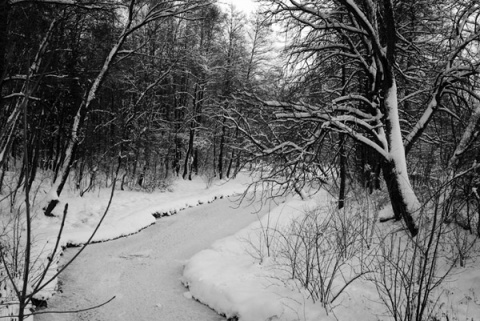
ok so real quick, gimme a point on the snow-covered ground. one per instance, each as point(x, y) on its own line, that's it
point(245, 275)
point(143, 270)
point(129, 212)
point(235, 278)
point(248, 275)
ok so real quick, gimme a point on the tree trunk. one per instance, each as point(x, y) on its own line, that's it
point(2, 176)
point(343, 158)
point(468, 136)
point(65, 167)
point(188, 156)
point(404, 201)
point(61, 179)
point(80, 170)
point(134, 171)
point(214, 158)
point(167, 164)
point(232, 157)
point(230, 163)
point(400, 204)
point(237, 164)
point(34, 159)
point(402, 197)
point(221, 149)
point(122, 186)
point(343, 172)
point(195, 162)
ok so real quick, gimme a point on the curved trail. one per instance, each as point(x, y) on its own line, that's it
point(143, 270)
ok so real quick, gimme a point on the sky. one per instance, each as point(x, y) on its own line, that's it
point(246, 6)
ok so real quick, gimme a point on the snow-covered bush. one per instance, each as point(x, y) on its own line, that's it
point(321, 250)
point(318, 252)
point(409, 271)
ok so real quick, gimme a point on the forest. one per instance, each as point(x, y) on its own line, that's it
point(356, 95)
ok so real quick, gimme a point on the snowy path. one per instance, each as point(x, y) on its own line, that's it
point(143, 270)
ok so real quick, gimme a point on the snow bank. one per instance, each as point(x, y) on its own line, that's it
point(230, 279)
point(237, 278)
point(130, 212)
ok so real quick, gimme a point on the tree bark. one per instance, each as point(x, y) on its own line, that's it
point(403, 199)
point(399, 203)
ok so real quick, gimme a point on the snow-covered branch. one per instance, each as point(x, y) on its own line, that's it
point(76, 3)
point(23, 95)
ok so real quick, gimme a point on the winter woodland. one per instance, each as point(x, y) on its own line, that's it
point(361, 115)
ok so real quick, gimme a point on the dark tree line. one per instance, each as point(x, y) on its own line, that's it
point(378, 93)
point(141, 83)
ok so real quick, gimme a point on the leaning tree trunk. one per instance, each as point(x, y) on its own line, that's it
point(61, 178)
point(401, 204)
point(404, 202)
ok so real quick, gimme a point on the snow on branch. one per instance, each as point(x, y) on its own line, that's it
point(358, 137)
point(76, 3)
point(350, 120)
point(365, 23)
point(352, 110)
point(353, 97)
point(453, 72)
point(159, 11)
point(328, 23)
point(421, 124)
point(469, 135)
point(335, 48)
point(282, 147)
point(21, 95)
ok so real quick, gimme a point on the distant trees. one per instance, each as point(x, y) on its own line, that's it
point(142, 83)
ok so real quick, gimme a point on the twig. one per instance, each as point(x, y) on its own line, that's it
point(91, 236)
point(73, 311)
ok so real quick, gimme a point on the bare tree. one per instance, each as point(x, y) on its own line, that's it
point(367, 38)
